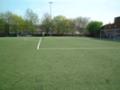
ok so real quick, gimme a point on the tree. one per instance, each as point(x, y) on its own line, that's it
point(31, 17)
point(94, 27)
point(80, 24)
point(47, 23)
point(17, 24)
point(31, 20)
point(5, 19)
point(62, 25)
point(2, 27)
point(13, 24)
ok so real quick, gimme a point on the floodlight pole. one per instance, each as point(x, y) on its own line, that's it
point(50, 6)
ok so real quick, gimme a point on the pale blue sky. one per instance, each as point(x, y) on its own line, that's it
point(102, 10)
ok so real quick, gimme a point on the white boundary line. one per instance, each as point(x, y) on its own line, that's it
point(39, 43)
point(107, 48)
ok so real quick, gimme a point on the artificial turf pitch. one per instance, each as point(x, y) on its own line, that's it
point(61, 63)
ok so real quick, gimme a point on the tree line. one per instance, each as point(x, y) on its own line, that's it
point(14, 25)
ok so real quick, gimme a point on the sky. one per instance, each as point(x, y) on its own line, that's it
point(101, 10)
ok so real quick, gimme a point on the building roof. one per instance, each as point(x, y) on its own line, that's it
point(115, 25)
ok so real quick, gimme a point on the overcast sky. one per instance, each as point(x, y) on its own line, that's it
point(102, 10)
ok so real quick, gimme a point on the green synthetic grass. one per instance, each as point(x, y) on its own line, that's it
point(92, 65)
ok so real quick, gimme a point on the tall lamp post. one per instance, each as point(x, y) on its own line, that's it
point(50, 5)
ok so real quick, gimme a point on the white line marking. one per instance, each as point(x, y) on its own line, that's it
point(107, 48)
point(39, 43)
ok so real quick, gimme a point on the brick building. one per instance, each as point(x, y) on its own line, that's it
point(111, 31)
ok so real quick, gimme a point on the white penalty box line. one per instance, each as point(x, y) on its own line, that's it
point(39, 43)
point(72, 48)
point(106, 48)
